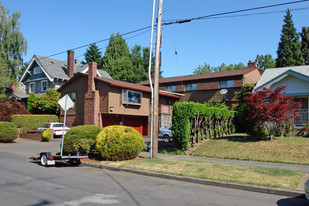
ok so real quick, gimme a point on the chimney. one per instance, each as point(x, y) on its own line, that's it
point(92, 72)
point(76, 61)
point(252, 65)
point(14, 89)
point(70, 64)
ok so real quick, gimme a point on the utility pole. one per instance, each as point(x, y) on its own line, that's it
point(156, 83)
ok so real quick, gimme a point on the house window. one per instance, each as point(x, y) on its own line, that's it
point(32, 87)
point(43, 85)
point(37, 70)
point(129, 96)
point(191, 87)
point(303, 115)
point(72, 95)
point(226, 84)
point(171, 88)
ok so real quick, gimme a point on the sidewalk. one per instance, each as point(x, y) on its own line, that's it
point(29, 148)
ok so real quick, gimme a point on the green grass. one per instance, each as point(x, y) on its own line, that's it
point(261, 176)
point(294, 150)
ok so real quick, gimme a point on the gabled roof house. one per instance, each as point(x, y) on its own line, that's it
point(296, 80)
point(43, 73)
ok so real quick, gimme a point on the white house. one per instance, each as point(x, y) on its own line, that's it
point(296, 79)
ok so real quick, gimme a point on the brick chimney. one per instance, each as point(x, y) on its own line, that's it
point(70, 63)
point(92, 99)
point(92, 72)
point(252, 65)
point(76, 61)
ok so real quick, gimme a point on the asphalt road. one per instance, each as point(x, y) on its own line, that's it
point(26, 183)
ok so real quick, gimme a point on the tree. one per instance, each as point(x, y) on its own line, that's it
point(46, 103)
point(268, 109)
point(206, 68)
point(288, 51)
point(9, 107)
point(265, 62)
point(305, 44)
point(12, 42)
point(93, 54)
point(4, 80)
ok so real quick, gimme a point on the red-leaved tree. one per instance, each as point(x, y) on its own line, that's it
point(269, 108)
point(9, 107)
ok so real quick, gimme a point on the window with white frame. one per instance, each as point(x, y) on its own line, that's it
point(43, 85)
point(226, 84)
point(191, 87)
point(171, 88)
point(32, 87)
point(37, 70)
point(130, 96)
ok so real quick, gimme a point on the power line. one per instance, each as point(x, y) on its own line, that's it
point(231, 12)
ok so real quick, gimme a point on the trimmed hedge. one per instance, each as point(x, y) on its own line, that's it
point(8, 132)
point(119, 142)
point(193, 122)
point(81, 138)
point(32, 122)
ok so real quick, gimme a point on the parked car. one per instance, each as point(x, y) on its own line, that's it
point(56, 126)
point(307, 189)
point(166, 134)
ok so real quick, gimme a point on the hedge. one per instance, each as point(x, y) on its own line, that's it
point(32, 122)
point(193, 122)
point(8, 132)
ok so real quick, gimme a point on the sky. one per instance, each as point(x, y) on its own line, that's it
point(55, 26)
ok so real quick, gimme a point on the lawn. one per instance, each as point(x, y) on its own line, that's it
point(261, 176)
point(294, 150)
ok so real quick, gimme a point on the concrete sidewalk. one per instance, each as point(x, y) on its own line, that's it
point(29, 148)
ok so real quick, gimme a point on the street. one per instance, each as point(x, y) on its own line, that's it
point(26, 183)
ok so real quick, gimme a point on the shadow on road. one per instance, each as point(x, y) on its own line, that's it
point(299, 201)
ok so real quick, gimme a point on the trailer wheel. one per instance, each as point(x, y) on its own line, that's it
point(75, 162)
point(44, 160)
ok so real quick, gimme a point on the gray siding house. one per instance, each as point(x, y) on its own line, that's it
point(43, 73)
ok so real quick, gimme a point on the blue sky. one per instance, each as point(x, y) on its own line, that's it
point(53, 26)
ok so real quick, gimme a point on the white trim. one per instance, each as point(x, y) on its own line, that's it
point(42, 85)
point(86, 70)
point(35, 80)
point(30, 91)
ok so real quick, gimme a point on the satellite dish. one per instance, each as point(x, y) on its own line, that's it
point(223, 91)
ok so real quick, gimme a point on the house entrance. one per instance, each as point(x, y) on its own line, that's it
point(303, 112)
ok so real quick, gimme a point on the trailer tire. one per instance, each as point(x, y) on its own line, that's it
point(44, 160)
point(75, 162)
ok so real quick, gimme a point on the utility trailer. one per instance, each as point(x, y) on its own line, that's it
point(47, 159)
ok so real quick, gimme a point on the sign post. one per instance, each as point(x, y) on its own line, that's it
point(65, 103)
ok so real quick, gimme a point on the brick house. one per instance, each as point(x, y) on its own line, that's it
point(203, 87)
point(104, 101)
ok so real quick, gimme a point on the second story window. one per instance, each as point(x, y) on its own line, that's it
point(226, 84)
point(43, 85)
point(171, 88)
point(37, 70)
point(130, 96)
point(191, 87)
point(32, 87)
point(72, 95)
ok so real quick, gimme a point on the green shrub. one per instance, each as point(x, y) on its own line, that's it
point(32, 122)
point(8, 132)
point(119, 143)
point(46, 136)
point(81, 138)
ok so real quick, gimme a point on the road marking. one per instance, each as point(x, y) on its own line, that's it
point(97, 198)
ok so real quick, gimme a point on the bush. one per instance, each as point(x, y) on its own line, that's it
point(32, 122)
point(9, 107)
point(81, 138)
point(8, 132)
point(46, 136)
point(119, 143)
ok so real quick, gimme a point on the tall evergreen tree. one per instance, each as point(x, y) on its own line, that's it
point(93, 54)
point(206, 68)
point(288, 51)
point(12, 42)
point(305, 44)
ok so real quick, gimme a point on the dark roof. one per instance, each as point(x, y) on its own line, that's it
point(195, 77)
point(122, 84)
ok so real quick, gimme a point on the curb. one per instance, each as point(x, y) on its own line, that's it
point(245, 187)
